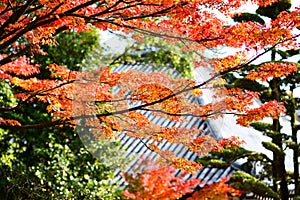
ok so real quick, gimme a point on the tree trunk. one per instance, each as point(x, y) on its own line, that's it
point(292, 113)
point(278, 163)
point(279, 159)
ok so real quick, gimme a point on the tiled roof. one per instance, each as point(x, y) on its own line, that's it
point(136, 147)
point(218, 129)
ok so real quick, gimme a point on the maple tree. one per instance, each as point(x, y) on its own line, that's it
point(25, 26)
point(157, 182)
point(220, 190)
point(153, 181)
point(53, 162)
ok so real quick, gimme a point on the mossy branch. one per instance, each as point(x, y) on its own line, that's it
point(248, 183)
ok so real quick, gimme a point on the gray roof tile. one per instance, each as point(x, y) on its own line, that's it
point(139, 150)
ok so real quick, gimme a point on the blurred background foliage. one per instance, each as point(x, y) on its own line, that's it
point(53, 163)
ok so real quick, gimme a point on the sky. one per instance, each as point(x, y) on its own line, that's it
point(251, 8)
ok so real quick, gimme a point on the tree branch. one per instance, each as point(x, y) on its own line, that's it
point(31, 96)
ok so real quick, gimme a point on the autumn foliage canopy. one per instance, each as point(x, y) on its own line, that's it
point(200, 25)
point(159, 182)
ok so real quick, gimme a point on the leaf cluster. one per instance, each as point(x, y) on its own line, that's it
point(248, 183)
point(52, 163)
